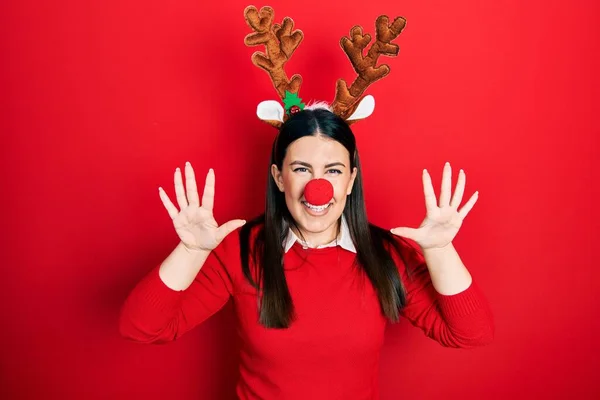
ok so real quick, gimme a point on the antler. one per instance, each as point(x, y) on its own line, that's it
point(346, 98)
point(280, 43)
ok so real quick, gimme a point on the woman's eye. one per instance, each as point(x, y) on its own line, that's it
point(333, 171)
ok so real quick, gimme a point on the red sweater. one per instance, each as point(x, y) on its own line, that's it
point(331, 351)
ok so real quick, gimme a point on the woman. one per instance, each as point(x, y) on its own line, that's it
point(313, 284)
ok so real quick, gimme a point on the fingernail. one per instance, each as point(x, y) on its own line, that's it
point(187, 163)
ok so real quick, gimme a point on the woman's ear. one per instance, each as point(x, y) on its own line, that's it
point(351, 184)
point(277, 177)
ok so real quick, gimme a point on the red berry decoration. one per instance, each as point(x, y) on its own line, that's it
point(294, 109)
point(318, 192)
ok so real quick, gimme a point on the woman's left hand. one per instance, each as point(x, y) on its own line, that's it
point(444, 220)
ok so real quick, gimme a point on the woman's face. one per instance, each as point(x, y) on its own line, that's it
point(313, 157)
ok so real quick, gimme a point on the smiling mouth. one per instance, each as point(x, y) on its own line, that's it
point(317, 208)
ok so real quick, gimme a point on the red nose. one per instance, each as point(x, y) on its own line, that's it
point(318, 192)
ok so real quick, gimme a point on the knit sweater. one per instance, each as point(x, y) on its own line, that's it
point(331, 350)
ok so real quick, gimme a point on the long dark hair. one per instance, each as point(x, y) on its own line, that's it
point(372, 242)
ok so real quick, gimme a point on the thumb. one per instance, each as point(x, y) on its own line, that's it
point(229, 227)
point(409, 233)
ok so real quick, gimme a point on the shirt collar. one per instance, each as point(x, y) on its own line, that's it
point(344, 240)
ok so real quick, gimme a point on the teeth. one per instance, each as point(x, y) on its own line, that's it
point(316, 208)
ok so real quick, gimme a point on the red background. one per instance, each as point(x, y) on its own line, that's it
point(101, 101)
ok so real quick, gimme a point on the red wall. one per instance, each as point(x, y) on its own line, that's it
point(102, 100)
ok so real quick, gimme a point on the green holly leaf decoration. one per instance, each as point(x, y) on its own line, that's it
point(290, 100)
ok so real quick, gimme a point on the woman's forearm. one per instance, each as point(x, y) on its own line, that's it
point(448, 273)
point(180, 268)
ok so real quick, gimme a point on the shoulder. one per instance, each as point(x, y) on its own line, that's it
point(405, 254)
point(391, 242)
point(234, 251)
point(241, 237)
point(252, 231)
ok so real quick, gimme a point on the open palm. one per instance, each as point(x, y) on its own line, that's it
point(195, 224)
point(443, 219)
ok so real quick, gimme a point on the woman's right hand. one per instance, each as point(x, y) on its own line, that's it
point(195, 223)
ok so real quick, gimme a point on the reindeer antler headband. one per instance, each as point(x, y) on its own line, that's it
point(281, 41)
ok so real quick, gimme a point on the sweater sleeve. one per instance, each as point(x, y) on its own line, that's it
point(155, 313)
point(462, 320)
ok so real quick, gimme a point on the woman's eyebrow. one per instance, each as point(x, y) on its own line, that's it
point(305, 164)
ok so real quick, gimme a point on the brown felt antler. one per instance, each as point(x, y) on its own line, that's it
point(280, 43)
point(347, 98)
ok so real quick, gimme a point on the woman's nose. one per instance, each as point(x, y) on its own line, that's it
point(318, 192)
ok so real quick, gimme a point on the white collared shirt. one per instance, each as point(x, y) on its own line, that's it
point(344, 239)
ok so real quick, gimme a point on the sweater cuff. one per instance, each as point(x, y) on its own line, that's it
point(461, 304)
point(157, 295)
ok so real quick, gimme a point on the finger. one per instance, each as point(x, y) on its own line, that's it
point(229, 227)
point(446, 185)
point(468, 205)
point(409, 233)
point(460, 190)
point(180, 190)
point(430, 201)
point(208, 197)
point(190, 185)
point(171, 209)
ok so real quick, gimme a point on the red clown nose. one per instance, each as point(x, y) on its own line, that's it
point(318, 192)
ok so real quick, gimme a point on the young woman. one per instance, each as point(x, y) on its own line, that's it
point(313, 284)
